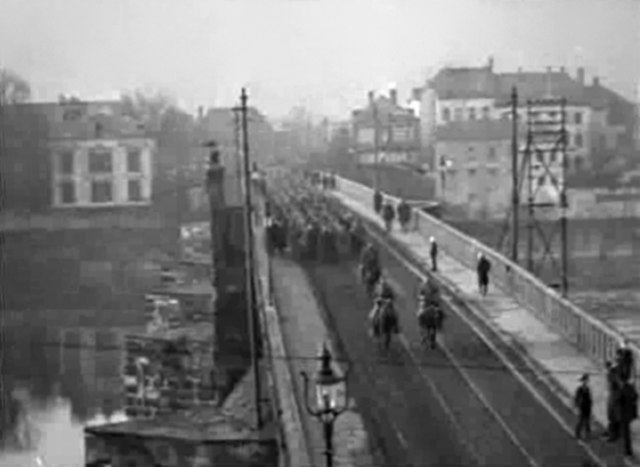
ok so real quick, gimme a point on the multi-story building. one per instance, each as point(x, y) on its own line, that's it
point(597, 119)
point(99, 157)
point(474, 165)
point(398, 132)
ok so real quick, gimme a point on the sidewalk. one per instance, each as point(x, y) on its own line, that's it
point(548, 349)
point(304, 332)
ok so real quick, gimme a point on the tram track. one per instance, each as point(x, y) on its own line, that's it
point(526, 413)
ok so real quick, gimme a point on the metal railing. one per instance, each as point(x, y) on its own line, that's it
point(589, 335)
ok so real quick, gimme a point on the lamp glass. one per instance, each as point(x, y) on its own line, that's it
point(331, 395)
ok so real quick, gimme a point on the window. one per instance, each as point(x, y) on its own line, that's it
point(134, 160)
point(100, 161)
point(552, 157)
point(485, 113)
point(540, 156)
point(492, 153)
point(65, 160)
point(578, 140)
point(101, 191)
point(446, 114)
point(472, 113)
point(458, 114)
point(134, 190)
point(578, 118)
point(67, 192)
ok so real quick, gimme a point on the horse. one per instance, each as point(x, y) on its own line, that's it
point(370, 275)
point(430, 318)
point(384, 321)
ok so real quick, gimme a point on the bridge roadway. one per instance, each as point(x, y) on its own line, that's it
point(456, 405)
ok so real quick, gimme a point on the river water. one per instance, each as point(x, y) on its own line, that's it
point(55, 382)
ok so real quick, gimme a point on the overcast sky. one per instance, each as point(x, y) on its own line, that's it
point(322, 53)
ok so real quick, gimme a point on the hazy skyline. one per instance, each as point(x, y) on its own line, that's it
point(324, 54)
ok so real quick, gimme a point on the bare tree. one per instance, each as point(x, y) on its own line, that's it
point(14, 89)
point(149, 107)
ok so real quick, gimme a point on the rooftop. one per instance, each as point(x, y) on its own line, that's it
point(77, 119)
point(482, 82)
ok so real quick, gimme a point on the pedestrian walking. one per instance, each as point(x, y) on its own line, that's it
point(613, 405)
point(628, 413)
point(483, 269)
point(624, 361)
point(583, 403)
point(433, 253)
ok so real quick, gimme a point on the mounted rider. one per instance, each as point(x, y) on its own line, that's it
point(430, 299)
point(384, 290)
point(369, 259)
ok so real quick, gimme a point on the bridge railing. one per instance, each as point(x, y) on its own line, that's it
point(588, 334)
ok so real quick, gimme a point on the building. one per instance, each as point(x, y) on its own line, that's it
point(95, 157)
point(474, 165)
point(87, 233)
point(597, 119)
point(398, 132)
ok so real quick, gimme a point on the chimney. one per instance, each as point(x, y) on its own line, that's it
point(596, 81)
point(371, 97)
point(580, 75)
point(562, 69)
point(519, 70)
point(416, 94)
point(200, 113)
point(549, 69)
point(393, 96)
point(490, 63)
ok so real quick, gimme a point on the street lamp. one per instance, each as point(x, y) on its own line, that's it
point(331, 398)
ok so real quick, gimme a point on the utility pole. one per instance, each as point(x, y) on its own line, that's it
point(238, 146)
point(515, 189)
point(248, 225)
point(376, 143)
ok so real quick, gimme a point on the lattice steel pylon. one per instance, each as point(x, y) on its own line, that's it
point(545, 165)
point(539, 166)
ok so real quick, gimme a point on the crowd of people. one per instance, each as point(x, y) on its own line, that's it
point(305, 221)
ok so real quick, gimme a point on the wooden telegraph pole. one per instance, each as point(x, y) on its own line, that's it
point(248, 226)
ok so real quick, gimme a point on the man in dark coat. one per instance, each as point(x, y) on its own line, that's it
point(624, 360)
point(613, 399)
point(583, 402)
point(483, 268)
point(404, 214)
point(628, 413)
point(433, 253)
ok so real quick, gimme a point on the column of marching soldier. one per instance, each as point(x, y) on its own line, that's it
point(303, 219)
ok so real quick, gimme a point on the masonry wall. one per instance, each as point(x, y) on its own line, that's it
point(101, 263)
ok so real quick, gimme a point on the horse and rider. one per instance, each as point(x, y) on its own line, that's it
point(383, 317)
point(370, 269)
point(430, 313)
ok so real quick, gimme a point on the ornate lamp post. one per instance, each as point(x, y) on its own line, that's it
point(331, 398)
